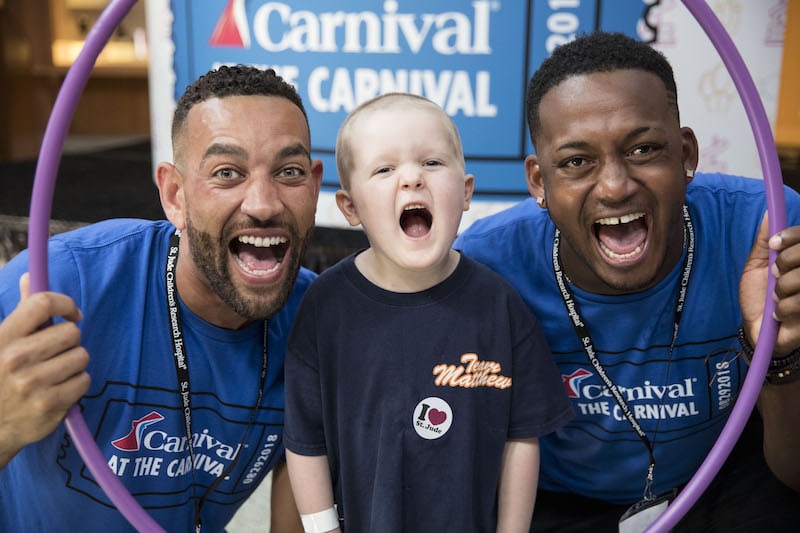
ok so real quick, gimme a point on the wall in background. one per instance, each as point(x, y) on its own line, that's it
point(39, 40)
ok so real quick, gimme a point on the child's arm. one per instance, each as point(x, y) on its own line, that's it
point(519, 477)
point(310, 478)
point(283, 514)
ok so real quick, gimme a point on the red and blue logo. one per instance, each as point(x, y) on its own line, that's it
point(232, 29)
point(130, 442)
point(572, 382)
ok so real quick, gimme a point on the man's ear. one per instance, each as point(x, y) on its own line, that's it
point(690, 151)
point(347, 207)
point(533, 176)
point(170, 190)
point(316, 175)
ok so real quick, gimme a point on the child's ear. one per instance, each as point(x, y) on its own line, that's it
point(347, 207)
point(469, 188)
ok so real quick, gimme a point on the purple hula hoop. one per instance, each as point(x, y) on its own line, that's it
point(776, 205)
point(41, 205)
point(38, 232)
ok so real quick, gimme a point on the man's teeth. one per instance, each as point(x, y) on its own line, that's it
point(624, 219)
point(614, 255)
point(262, 242)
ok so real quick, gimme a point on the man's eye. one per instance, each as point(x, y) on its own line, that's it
point(574, 162)
point(291, 174)
point(227, 174)
point(645, 149)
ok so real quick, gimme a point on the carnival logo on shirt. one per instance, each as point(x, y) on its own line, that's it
point(131, 441)
point(153, 452)
point(572, 381)
point(141, 434)
point(232, 29)
point(647, 401)
point(432, 418)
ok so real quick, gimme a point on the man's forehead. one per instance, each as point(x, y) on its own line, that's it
point(235, 112)
point(617, 79)
point(605, 92)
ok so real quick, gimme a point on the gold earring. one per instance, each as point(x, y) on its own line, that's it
point(541, 201)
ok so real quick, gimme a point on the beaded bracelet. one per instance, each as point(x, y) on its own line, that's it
point(781, 370)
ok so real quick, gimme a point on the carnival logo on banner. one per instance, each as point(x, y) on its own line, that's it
point(232, 29)
point(472, 58)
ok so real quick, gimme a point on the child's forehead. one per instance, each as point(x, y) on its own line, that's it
point(394, 122)
point(416, 131)
point(392, 109)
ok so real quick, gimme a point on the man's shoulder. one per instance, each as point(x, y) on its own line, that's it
point(709, 191)
point(719, 182)
point(732, 185)
point(305, 277)
point(85, 241)
point(93, 253)
point(524, 212)
point(520, 211)
point(484, 279)
point(107, 232)
point(304, 280)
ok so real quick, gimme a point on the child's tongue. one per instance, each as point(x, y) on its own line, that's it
point(416, 222)
point(415, 225)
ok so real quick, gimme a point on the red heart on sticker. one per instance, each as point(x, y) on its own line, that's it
point(436, 416)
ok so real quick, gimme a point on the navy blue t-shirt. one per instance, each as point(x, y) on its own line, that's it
point(413, 396)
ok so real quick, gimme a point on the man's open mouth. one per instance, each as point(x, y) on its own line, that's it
point(416, 220)
point(621, 237)
point(259, 255)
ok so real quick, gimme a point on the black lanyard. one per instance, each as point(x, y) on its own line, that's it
point(182, 371)
point(585, 338)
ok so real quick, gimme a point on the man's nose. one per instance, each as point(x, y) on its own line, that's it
point(614, 181)
point(262, 199)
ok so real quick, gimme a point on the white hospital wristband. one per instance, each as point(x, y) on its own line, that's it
point(320, 522)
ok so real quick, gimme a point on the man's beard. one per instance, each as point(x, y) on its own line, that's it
point(211, 259)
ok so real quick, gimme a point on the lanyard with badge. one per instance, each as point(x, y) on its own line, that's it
point(182, 371)
point(643, 513)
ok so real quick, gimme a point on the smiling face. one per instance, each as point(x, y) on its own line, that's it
point(610, 163)
point(245, 190)
point(407, 188)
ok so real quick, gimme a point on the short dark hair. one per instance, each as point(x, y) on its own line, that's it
point(590, 53)
point(238, 80)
